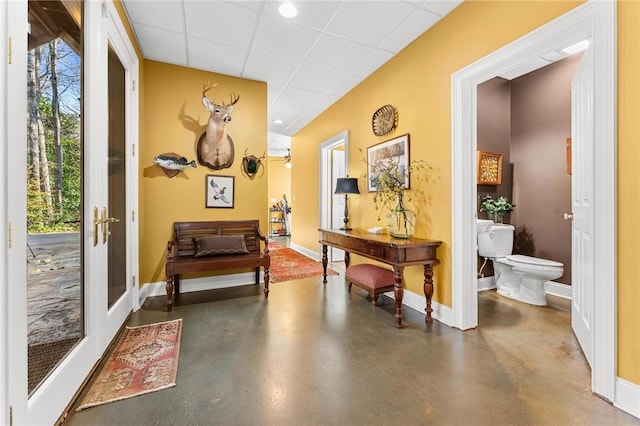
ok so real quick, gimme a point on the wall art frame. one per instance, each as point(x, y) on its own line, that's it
point(489, 168)
point(219, 191)
point(396, 150)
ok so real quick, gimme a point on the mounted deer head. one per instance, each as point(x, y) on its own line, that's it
point(215, 147)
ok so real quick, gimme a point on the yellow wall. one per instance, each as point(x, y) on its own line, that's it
point(174, 119)
point(279, 179)
point(417, 82)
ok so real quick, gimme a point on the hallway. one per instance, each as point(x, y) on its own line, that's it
point(314, 355)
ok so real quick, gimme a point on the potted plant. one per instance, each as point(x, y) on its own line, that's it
point(391, 194)
point(496, 209)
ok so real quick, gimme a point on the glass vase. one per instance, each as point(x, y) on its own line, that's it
point(401, 222)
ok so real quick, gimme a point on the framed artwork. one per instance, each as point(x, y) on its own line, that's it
point(394, 150)
point(219, 191)
point(489, 168)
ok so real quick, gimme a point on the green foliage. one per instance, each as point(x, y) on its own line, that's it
point(499, 207)
point(389, 178)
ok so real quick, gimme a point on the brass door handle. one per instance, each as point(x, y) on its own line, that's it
point(568, 216)
point(104, 220)
point(96, 222)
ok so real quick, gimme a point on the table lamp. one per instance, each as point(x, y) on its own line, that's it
point(346, 186)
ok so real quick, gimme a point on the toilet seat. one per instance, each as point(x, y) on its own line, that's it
point(532, 264)
point(533, 260)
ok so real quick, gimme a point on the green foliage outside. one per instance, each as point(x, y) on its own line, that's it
point(38, 220)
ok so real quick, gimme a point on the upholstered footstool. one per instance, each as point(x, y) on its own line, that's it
point(371, 278)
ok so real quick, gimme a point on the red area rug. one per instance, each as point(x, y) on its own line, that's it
point(288, 264)
point(144, 360)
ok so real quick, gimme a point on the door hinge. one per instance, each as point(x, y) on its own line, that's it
point(11, 415)
point(133, 281)
point(133, 85)
point(133, 150)
point(9, 51)
point(133, 215)
point(10, 235)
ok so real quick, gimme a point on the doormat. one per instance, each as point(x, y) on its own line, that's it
point(145, 360)
point(288, 264)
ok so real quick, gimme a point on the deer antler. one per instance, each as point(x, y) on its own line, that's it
point(207, 87)
point(233, 100)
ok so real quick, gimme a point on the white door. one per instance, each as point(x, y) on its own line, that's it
point(582, 188)
point(338, 169)
point(103, 309)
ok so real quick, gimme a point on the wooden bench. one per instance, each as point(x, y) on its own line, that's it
point(372, 278)
point(215, 246)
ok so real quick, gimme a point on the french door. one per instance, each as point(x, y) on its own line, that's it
point(85, 206)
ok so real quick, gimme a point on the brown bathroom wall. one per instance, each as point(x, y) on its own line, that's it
point(494, 135)
point(540, 125)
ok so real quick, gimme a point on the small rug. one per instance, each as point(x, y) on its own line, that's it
point(145, 360)
point(288, 264)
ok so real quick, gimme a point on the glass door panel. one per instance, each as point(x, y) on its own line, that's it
point(54, 186)
point(117, 284)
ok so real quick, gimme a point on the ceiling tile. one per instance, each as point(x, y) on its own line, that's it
point(374, 60)
point(283, 39)
point(412, 27)
point(166, 15)
point(215, 57)
point(440, 7)
point(314, 14)
point(220, 23)
point(161, 45)
point(336, 54)
point(342, 86)
point(312, 78)
point(267, 68)
point(369, 22)
point(293, 96)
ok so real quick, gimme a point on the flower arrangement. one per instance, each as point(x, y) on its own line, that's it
point(496, 209)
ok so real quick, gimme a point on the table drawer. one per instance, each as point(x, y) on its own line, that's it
point(375, 250)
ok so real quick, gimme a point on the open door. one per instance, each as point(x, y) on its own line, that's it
point(582, 189)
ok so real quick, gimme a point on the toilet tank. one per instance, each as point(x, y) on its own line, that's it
point(497, 241)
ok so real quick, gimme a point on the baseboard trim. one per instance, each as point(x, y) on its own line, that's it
point(199, 284)
point(305, 251)
point(627, 397)
point(442, 313)
point(558, 289)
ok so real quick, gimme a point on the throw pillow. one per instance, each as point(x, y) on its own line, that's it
point(217, 245)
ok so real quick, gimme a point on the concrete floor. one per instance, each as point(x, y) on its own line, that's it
point(318, 355)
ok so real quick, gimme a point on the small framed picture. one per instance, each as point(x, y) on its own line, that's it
point(489, 168)
point(393, 152)
point(219, 191)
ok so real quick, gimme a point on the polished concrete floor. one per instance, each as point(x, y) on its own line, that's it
point(318, 355)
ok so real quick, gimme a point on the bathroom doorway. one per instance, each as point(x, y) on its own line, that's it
point(594, 21)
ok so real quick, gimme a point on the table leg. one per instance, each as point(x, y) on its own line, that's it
point(428, 290)
point(325, 261)
point(347, 259)
point(398, 292)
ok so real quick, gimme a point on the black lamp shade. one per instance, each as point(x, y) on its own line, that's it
point(347, 186)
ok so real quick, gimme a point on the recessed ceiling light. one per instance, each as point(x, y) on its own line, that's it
point(288, 10)
point(277, 121)
point(578, 47)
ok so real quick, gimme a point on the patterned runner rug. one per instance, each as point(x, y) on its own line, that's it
point(145, 360)
point(288, 264)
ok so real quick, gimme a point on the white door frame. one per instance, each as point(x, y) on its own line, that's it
point(49, 400)
point(324, 172)
point(596, 20)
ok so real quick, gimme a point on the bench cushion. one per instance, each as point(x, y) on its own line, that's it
point(216, 245)
point(371, 276)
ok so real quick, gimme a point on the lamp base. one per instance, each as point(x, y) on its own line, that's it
point(346, 228)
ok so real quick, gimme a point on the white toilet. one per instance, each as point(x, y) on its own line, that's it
point(517, 277)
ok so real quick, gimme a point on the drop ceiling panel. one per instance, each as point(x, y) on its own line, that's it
point(166, 15)
point(267, 68)
point(368, 22)
point(332, 53)
point(312, 78)
point(416, 24)
point(442, 7)
point(216, 57)
point(283, 40)
point(221, 23)
point(314, 14)
point(161, 45)
point(374, 60)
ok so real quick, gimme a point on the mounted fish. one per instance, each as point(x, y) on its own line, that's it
point(215, 146)
point(172, 163)
point(251, 164)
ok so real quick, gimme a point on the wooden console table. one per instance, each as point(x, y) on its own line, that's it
point(395, 252)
